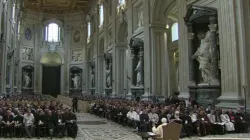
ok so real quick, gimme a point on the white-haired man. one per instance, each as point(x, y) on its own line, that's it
point(159, 130)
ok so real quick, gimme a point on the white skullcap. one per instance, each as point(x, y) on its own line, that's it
point(177, 112)
point(164, 120)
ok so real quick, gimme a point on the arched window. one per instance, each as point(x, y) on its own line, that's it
point(89, 29)
point(101, 14)
point(13, 12)
point(175, 32)
point(121, 2)
point(52, 33)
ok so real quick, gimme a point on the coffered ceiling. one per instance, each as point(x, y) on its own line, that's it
point(56, 6)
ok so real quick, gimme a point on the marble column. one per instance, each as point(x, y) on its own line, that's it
point(101, 70)
point(191, 52)
point(229, 16)
point(67, 59)
point(147, 49)
point(159, 60)
point(183, 49)
point(119, 70)
point(4, 56)
point(37, 65)
point(85, 72)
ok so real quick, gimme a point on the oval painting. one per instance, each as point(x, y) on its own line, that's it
point(76, 36)
point(28, 34)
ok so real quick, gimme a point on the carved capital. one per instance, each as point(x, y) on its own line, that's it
point(191, 36)
point(213, 27)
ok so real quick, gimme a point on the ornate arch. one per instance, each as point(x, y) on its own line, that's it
point(159, 9)
point(53, 59)
point(60, 23)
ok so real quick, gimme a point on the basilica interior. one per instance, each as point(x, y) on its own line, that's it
point(136, 50)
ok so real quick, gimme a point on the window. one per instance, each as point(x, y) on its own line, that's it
point(13, 12)
point(101, 14)
point(52, 33)
point(121, 2)
point(175, 32)
point(89, 29)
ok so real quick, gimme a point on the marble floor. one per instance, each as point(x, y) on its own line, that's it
point(95, 128)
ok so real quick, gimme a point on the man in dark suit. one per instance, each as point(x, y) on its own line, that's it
point(40, 121)
point(75, 104)
point(144, 121)
point(18, 124)
point(51, 121)
point(240, 122)
point(60, 124)
point(8, 122)
point(71, 126)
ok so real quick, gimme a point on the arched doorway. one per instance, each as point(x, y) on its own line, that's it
point(51, 73)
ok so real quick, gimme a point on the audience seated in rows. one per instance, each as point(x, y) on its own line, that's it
point(35, 116)
point(194, 118)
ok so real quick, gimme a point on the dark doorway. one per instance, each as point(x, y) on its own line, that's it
point(51, 80)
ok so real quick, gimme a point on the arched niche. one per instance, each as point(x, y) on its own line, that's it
point(76, 80)
point(27, 79)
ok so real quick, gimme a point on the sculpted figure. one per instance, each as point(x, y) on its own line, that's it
point(203, 56)
point(108, 76)
point(27, 80)
point(138, 69)
point(76, 81)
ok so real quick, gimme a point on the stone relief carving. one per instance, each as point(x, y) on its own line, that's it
point(77, 56)
point(27, 53)
point(53, 46)
point(140, 16)
point(204, 56)
point(77, 36)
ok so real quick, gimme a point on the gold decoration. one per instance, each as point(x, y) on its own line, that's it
point(51, 59)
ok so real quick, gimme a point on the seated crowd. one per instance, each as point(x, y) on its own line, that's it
point(35, 116)
point(150, 117)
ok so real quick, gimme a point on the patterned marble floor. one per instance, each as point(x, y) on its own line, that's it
point(106, 130)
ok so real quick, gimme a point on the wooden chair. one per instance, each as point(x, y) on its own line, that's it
point(171, 131)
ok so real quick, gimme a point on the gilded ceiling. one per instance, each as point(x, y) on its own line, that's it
point(56, 6)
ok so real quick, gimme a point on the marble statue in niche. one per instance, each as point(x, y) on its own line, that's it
point(28, 34)
point(108, 75)
point(77, 56)
point(138, 75)
point(77, 81)
point(140, 16)
point(27, 53)
point(77, 36)
point(26, 79)
point(203, 56)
